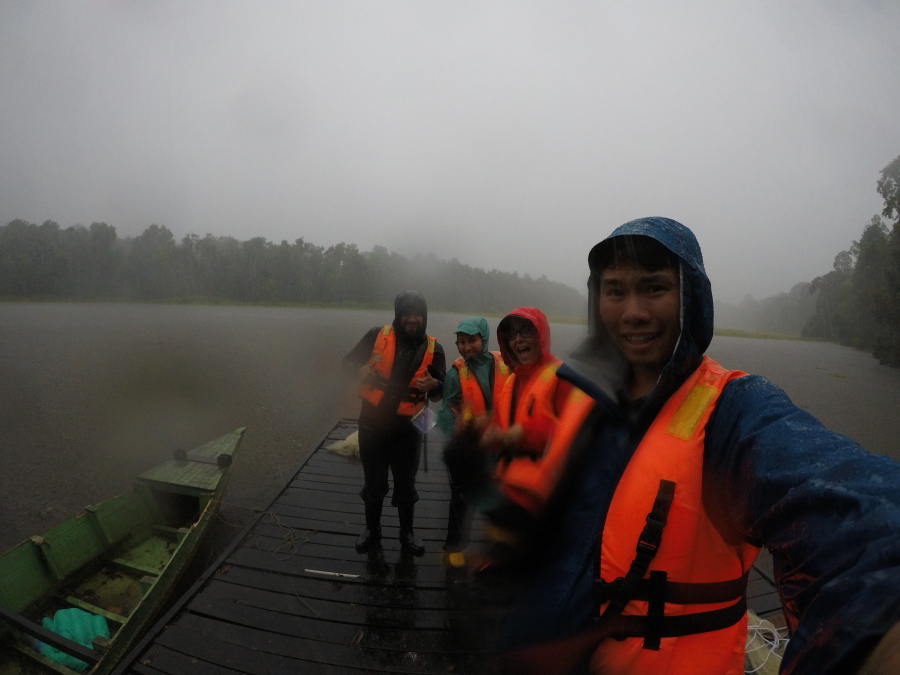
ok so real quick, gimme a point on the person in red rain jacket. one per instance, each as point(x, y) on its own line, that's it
point(525, 413)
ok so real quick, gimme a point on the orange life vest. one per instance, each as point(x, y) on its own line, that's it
point(472, 402)
point(529, 482)
point(373, 388)
point(519, 478)
point(537, 400)
point(686, 605)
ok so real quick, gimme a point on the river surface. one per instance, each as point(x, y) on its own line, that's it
point(93, 394)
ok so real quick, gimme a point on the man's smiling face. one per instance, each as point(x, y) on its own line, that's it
point(641, 311)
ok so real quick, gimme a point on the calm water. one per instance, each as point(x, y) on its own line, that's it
point(92, 394)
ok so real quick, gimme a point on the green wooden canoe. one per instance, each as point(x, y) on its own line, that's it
point(119, 559)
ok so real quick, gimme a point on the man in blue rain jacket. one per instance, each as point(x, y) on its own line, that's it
point(772, 476)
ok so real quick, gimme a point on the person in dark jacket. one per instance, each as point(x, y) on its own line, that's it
point(398, 366)
point(657, 563)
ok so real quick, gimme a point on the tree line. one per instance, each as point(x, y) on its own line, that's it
point(92, 263)
point(859, 300)
point(857, 303)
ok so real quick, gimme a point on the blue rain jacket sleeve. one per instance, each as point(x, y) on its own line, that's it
point(827, 510)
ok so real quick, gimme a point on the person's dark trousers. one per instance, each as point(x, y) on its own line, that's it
point(371, 536)
point(392, 444)
point(457, 523)
point(408, 538)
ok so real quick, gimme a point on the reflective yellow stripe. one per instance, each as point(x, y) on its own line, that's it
point(549, 372)
point(685, 419)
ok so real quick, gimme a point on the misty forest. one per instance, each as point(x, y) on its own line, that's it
point(855, 304)
point(93, 263)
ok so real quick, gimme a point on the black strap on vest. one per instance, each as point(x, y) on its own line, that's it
point(654, 628)
point(647, 546)
point(657, 590)
point(677, 593)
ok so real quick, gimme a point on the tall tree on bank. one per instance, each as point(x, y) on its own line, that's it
point(887, 346)
point(859, 301)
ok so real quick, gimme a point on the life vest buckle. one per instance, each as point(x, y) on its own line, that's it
point(607, 591)
point(647, 548)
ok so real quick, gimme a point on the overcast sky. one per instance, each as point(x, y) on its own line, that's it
point(511, 135)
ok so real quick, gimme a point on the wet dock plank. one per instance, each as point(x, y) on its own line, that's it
point(292, 595)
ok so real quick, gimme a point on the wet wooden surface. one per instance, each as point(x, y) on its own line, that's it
point(293, 595)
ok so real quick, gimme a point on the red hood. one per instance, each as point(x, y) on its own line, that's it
point(540, 322)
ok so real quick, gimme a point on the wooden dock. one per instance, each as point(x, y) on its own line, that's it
point(291, 595)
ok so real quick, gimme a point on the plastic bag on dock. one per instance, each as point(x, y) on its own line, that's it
point(77, 625)
point(765, 646)
point(347, 447)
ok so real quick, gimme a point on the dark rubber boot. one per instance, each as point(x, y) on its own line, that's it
point(408, 538)
point(371, 536)
point(456, 523)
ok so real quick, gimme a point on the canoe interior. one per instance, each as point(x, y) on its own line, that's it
point(118, 559)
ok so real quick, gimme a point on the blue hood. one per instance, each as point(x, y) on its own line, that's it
point(601, 363)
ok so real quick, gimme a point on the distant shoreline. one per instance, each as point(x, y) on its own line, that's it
point(219, 302)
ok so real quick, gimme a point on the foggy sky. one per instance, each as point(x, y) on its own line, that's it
point(511, 135)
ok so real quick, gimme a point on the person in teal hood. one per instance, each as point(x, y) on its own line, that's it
point(472, 337)
point(469, 389)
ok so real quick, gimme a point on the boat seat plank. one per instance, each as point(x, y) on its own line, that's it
point(195, 478)
point(131, 566)
point(93, 609)
point(173, 533)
